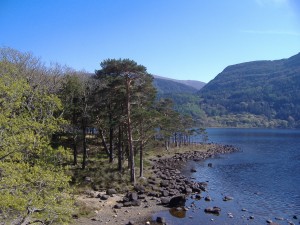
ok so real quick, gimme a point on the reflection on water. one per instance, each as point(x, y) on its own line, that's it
point(178, 212)
point(263, 178)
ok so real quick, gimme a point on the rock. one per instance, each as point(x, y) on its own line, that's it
point(142, 196)
point(104, 197)
point(118, 206)
point(177, 201)
point(139, 188)
point(295, 217)
point(165, 193)
point(207, 198)
point(111, 191)
point(160, 220)
point(251, 217)
point(164, 200)
point(227, 198)
point(198, 197)
point(193, 170)
point(209, 164)
point(279, 218)
point(133, 196)
point(196, 189)
point(127, 204)
point(188, 190)
point(164, 183)
point(214, 210)
point(130, 223)
point(136, 203)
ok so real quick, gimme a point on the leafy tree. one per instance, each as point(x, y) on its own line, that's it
point(33, 185)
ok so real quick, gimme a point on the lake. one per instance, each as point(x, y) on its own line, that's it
point(263, 178)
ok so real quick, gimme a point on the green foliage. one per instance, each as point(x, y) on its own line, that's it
point(33, 185)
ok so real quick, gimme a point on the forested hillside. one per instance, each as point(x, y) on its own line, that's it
point(255, 94)
point(183, 96)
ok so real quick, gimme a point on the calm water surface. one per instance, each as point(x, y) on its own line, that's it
point(263, 178)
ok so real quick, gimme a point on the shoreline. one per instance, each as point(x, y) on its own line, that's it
point(164, 189)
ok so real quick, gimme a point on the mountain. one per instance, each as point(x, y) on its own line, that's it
point(168, 86)
point(258, 94)
point(182, 93)
point(192, 83)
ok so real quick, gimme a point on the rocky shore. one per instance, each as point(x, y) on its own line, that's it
point(165, 188)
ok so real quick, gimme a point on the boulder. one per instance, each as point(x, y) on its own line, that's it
point(164, 200)
point(104, 197)
point(177, 201)
point(111, 191)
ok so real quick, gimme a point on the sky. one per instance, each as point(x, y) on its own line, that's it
point(179, 39)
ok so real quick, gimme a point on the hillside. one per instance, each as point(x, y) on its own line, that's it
point(257, 94)
point(168, 86)
point(192, 83)
point(184, 96)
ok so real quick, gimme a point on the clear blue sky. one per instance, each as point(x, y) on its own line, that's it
point(180, 39)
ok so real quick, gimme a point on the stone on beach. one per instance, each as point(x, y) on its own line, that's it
point(177, 201)
point(213, 210)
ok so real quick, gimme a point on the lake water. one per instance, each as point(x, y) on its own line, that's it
point(263, 178)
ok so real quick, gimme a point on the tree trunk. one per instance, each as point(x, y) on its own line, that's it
point(84, 143)
point(130, 145)
point(104, 142)
point(75, 152)
point(111, 136)
point(167, 145)
point(120, 150)
point(141, 160)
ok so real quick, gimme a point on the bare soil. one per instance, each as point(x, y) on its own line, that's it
point(103, 211)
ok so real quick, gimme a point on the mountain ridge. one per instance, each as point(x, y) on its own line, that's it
point(265, 88)
point(193, 83)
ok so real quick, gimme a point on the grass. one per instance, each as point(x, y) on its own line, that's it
point(101, 175)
